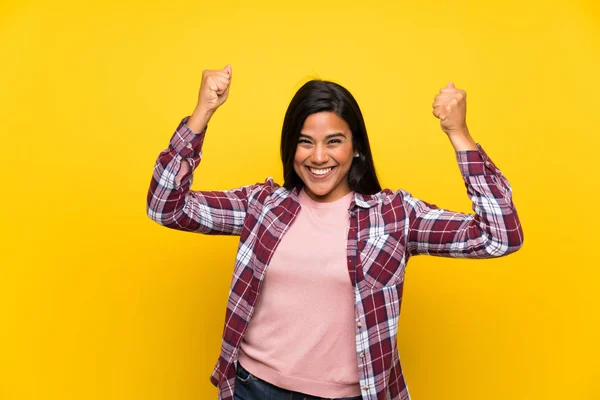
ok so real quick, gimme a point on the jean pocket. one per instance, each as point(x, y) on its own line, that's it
point(243, 375)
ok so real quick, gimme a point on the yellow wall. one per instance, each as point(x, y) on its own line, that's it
point(99, 302)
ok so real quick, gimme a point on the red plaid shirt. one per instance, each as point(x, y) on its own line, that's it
point(385, 230)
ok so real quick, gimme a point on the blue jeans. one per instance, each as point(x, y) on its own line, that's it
point(249, 387)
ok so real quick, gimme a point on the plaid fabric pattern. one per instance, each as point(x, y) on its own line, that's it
point(384, 231)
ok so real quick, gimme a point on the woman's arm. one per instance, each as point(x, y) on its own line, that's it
point(170, 202)
point(494, 230)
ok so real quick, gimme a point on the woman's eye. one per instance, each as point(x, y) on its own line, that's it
point(303, 141)
point(335, 141)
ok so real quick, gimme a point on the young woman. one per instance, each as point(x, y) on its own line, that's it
point(317, 284)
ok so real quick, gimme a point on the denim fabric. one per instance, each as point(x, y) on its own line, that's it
point(249, 387)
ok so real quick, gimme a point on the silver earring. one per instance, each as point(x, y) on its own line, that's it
point(356, 155)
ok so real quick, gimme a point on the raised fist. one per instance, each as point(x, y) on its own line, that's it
point(214, 89)
point(450, 106)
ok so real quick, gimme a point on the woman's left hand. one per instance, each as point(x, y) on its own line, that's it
point(450, 106)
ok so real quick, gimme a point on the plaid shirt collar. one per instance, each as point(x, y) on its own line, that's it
point(360, 200)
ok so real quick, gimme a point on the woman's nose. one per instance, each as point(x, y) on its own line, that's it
point(319, 155)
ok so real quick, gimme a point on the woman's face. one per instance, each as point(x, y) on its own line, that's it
point(324, 155)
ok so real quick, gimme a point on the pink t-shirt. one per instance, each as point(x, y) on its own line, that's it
point(301, 335)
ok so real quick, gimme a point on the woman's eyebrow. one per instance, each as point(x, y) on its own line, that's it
point(331, 135)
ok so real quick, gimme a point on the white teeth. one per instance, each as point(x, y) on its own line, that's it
point(320, 171)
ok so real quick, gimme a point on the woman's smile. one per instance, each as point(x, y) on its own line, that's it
point(320, 173)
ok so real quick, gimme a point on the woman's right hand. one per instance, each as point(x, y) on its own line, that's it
point(214, 90)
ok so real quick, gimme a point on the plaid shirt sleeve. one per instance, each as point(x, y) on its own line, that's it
point(493, 231)
point(171, 203)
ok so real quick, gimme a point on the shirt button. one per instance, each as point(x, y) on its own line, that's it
point(189, 146)
point(365, 388)
point(359, 324)
point(362, 355)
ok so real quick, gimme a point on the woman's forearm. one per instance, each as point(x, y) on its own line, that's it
point(462, 140)
point(198, 120)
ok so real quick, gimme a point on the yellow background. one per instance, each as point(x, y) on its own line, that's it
point(99, 302)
